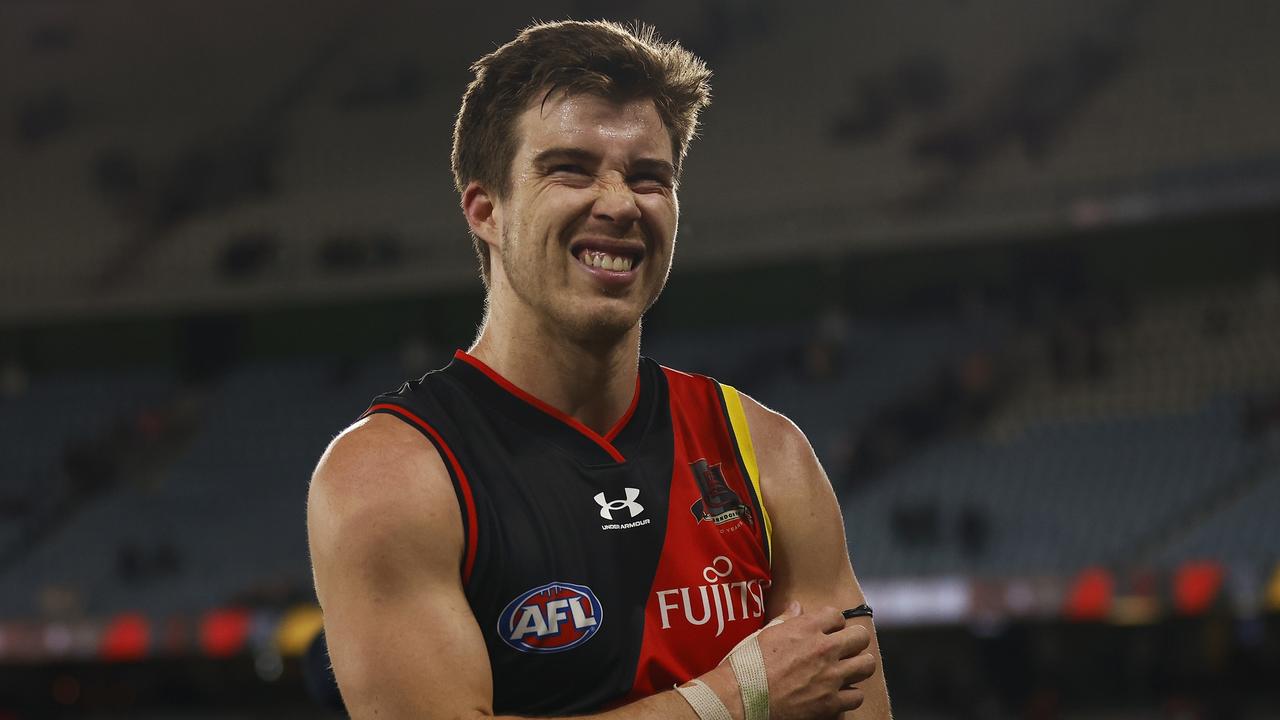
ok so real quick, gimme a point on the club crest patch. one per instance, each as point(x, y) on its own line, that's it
point(719, 504)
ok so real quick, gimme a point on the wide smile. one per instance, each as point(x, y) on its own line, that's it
point(611, 261)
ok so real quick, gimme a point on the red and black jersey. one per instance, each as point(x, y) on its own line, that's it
point(600, 568)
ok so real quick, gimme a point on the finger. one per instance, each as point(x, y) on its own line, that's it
point(857, 668)
point(829, 619)
point(850, 698)
point(852, 640)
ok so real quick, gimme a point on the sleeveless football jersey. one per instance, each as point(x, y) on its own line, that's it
point(600, 568)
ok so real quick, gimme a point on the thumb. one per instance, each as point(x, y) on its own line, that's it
point(793, 610)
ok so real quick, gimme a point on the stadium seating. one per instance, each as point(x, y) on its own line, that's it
point(1061, 476)
point(231, 507)
point(1244, 532)
point(1063, 496)
point(194, 122)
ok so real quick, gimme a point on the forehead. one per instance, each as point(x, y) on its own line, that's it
point(630, 128)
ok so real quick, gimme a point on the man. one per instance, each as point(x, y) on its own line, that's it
point(553, 524)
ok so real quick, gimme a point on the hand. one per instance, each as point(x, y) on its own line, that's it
point(812, 661)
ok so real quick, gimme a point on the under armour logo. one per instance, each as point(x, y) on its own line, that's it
point(607, 506)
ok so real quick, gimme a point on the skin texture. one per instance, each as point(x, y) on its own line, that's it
point(811, 563)
point(384, 526)
point(550, 327)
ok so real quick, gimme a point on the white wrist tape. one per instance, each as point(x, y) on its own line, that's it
point(748, 668)
point(704, 701)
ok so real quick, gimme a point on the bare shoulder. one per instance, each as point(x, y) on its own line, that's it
point(386, 540)
point(373, 456)
point(796, 491)
point(787, 461)
point(380, 490)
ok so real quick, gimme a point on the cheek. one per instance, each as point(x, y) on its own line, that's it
point(660, 214)
point(559, 208)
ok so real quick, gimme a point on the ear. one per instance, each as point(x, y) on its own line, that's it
point(482, 213)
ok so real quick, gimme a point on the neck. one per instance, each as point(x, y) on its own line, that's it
point(592, 381)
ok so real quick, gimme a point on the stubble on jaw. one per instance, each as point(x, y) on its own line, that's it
point(583, 327)
point(537, 268)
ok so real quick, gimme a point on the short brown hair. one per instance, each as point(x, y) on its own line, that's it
point(600, 58)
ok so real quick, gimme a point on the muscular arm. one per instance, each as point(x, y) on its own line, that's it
point(386, 548)
point(810, 555)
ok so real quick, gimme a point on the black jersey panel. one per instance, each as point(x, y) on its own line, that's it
point(567, 539)
point(461, 487)
point(540, 422)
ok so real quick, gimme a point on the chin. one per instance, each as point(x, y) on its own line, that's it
point(602, 322)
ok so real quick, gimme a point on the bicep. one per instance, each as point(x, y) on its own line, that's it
point(810, 554)
point(386, 538)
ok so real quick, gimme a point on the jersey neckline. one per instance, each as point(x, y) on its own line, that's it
point(512, 396)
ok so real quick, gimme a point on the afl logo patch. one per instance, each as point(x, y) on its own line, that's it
point(551, 618)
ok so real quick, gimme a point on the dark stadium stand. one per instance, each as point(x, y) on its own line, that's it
point(1243, 530)
point(229, 508)
point(1015, 265)
point(166, 178)
point(1061, 497)
point(1095, 475)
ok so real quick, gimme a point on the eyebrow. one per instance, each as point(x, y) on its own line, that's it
point(662, 167)
point(564, 153)
point(587, 157)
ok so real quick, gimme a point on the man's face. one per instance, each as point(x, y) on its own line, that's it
point(588, 229)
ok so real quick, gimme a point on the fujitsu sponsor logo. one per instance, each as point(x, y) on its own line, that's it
point(723, 599)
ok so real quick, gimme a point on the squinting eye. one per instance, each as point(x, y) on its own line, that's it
point(650, 181)
point(572, 169)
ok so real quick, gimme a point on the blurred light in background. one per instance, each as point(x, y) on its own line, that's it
point(1014, 267)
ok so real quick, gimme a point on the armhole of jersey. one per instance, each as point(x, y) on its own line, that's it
point(741, 433)
point(461, 487)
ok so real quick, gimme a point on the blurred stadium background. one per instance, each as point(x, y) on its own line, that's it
point(1014, 267)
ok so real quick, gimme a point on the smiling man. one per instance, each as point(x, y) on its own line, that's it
point(553, 524)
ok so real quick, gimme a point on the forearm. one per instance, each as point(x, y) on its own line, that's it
point(670, 704)
point(667, 704)
point(875, 690)
point(876, 704)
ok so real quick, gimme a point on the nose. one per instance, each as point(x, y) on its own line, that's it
point(616, 204)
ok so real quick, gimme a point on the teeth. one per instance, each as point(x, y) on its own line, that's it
point(605, 261)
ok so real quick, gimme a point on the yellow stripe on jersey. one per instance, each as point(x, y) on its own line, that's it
point(742, 434)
